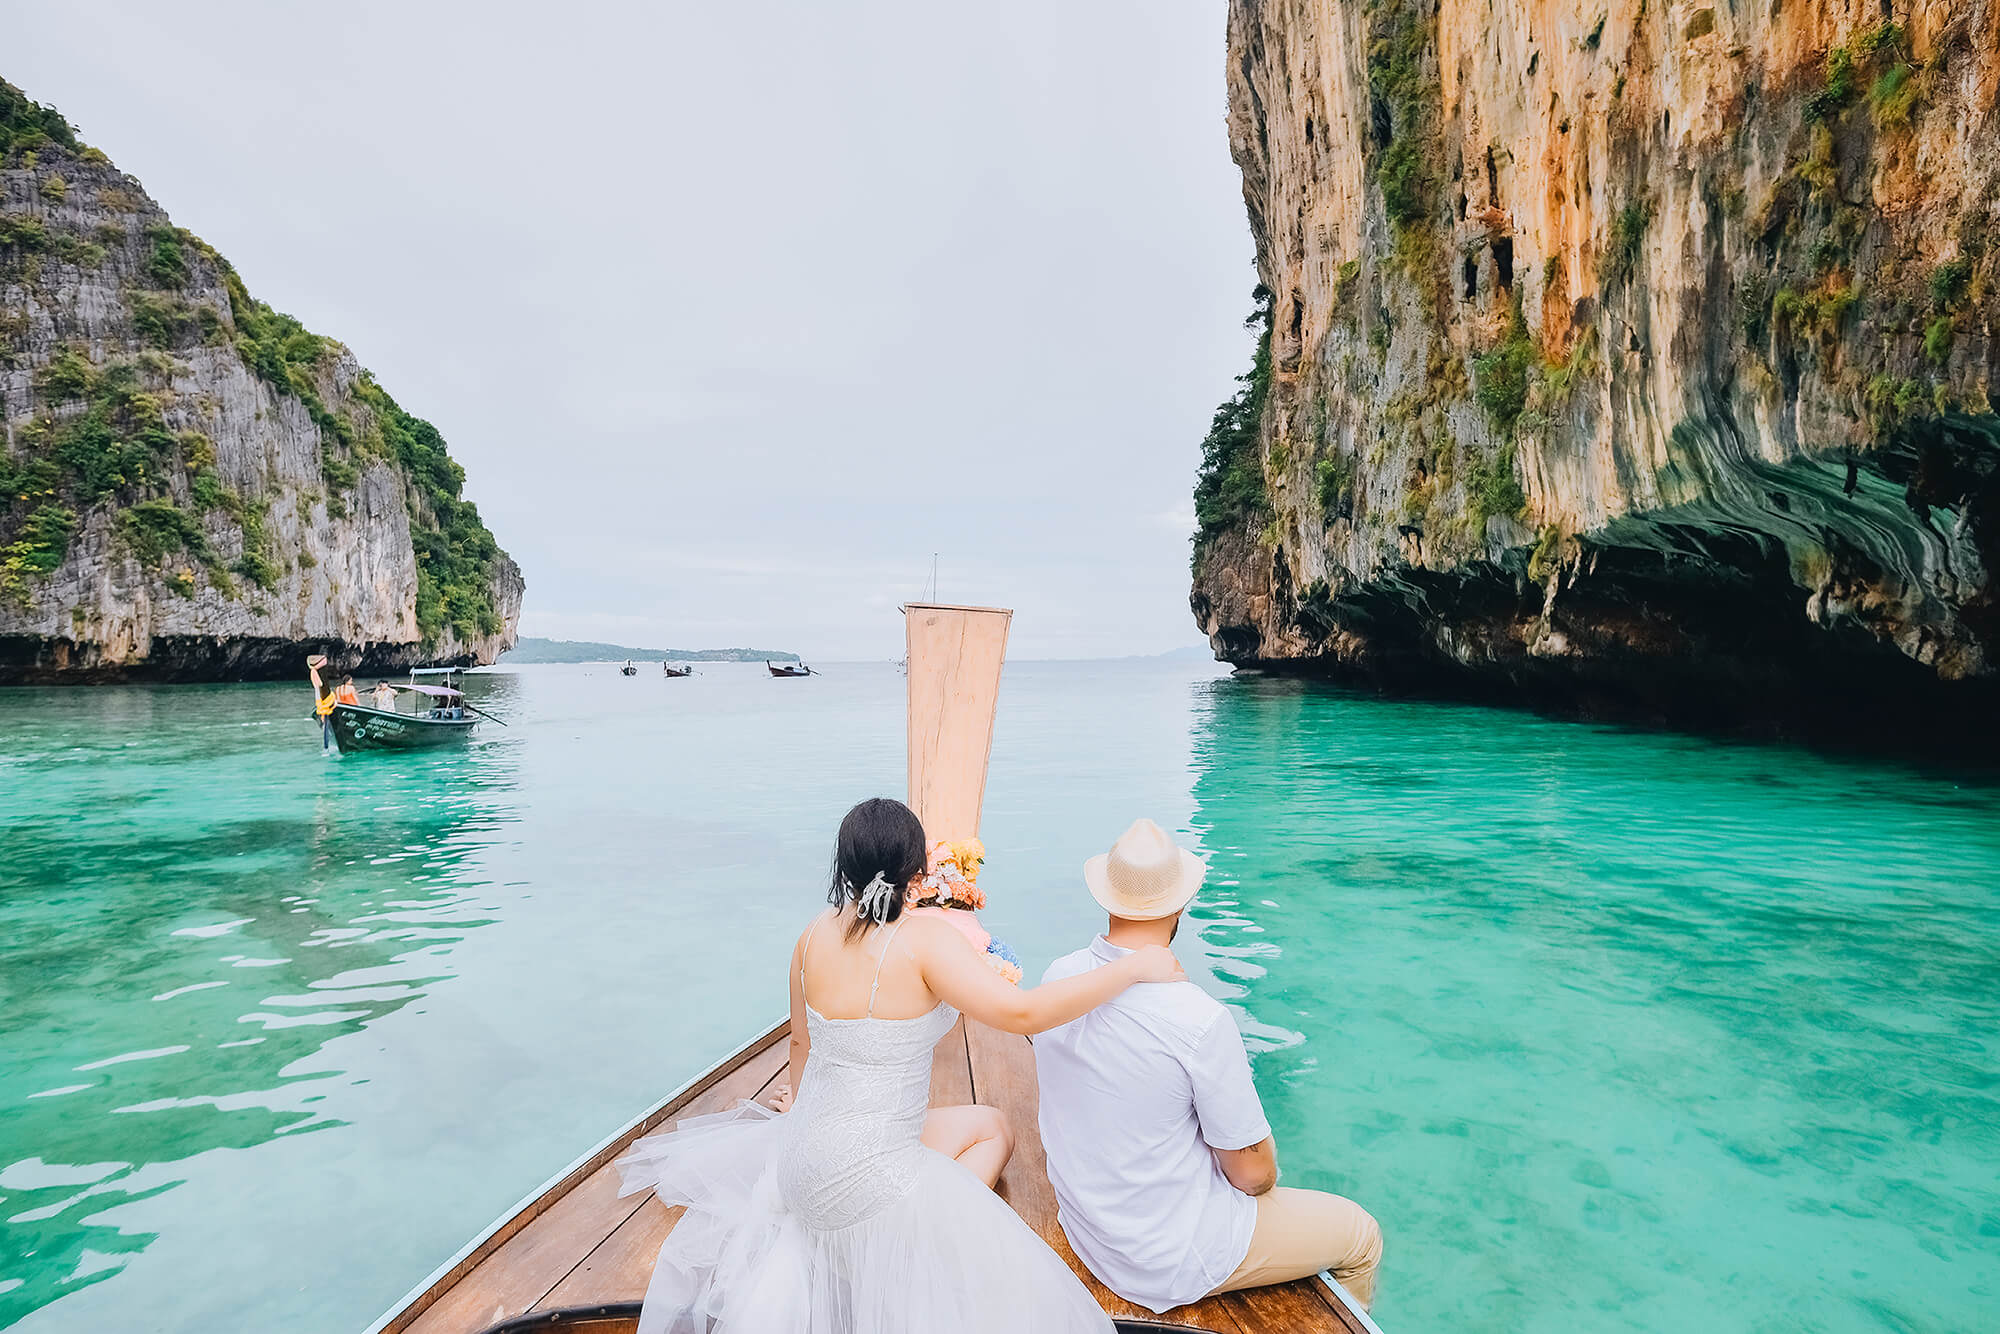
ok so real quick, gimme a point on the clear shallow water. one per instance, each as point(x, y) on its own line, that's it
point(1612, 1031)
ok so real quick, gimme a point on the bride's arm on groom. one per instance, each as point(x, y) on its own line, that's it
point(961, 977)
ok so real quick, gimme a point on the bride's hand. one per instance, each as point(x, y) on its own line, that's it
point(781, 1098)
point(1156, 963)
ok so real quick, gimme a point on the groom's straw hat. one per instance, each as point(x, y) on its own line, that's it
point(1145, 876)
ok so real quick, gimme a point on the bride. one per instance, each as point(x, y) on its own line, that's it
point(855, 1212)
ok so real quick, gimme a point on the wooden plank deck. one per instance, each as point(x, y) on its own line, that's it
point(578, 1244)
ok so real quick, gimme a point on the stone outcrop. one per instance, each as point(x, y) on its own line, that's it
point(192, 486)
point(1632, 357)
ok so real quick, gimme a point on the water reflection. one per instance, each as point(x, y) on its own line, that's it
point(192, 903)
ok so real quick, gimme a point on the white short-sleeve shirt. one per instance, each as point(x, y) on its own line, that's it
point(1134, 1095)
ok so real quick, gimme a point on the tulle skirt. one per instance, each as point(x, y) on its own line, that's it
point(948, 1255)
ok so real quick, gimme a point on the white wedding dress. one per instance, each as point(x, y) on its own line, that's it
point(834, 1218)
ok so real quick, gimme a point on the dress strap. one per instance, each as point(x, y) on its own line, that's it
point(882, 959)
point(811, 931)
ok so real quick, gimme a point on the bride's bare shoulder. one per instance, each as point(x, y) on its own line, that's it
point(822, 923)
point(929, 935)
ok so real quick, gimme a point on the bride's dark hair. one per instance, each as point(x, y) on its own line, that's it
point(881, 840)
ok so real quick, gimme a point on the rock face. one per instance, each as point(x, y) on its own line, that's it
point(1632, 357)
point(192, 486)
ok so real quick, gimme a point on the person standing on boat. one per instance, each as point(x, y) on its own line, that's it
point(1164, 1166)
point(323, 702)
point(858, 1210)
point(346, 693)
point(383, 696)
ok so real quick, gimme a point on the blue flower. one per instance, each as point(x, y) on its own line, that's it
point(999, 947)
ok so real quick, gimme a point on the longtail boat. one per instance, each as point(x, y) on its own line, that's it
point(575, 1256)
point(796, 669)
point(668, 669)
point(441, 717)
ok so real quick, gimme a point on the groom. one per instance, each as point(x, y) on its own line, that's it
point(1165, 1170)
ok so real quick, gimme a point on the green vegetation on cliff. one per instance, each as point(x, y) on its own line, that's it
point(26, 126)
point(98, 438)
point(455, 552)
point(1230, 486)
point(1400, 34)
point(1502, 373)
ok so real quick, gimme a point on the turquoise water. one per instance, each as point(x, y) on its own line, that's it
point(1613, 1031)
point(1616, 1031)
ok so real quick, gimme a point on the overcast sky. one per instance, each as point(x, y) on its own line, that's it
point(735, 312)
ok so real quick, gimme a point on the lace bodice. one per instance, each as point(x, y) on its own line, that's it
point(853, 1145)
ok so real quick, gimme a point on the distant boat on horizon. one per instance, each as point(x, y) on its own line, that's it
point(529, 649)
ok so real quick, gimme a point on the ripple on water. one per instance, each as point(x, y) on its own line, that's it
point(188, 866)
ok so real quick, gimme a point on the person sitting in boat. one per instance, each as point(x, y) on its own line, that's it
point(1164, 1166)
point(383, 696)
point(851, 1209)
point(346, 694)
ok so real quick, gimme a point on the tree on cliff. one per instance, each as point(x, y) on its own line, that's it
point(1230, 486)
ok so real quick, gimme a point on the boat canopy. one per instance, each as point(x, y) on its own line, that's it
point(435, 671)
point(438, 692)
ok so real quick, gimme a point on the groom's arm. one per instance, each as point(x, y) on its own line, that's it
point(1231, 1115)
point(1253, 1170)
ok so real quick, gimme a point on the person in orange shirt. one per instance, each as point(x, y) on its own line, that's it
point(346, 693)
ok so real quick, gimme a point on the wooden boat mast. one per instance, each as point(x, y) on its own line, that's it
point(955, 657)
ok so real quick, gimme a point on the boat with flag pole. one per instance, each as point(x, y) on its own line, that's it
point(575, 1258)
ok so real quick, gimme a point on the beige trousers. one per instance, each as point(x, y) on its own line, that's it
point(1300, 1232)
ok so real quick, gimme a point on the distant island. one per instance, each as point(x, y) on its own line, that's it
point(576, 650)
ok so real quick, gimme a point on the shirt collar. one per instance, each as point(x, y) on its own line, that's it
point(1103, 949)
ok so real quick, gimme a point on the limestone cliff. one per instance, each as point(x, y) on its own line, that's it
point(193, 486)
point(1630, 356)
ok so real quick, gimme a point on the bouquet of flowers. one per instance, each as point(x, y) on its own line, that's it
point(950, 889)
